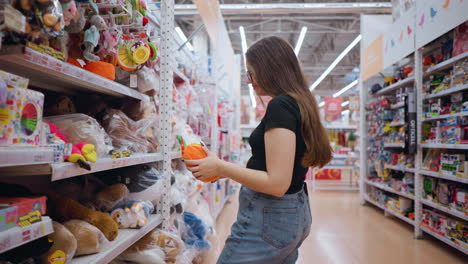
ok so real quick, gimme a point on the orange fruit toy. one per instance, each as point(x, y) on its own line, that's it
point(196, 152)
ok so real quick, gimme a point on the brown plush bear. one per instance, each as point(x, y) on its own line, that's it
point(63, 209)
point(90, 240)
point(108, 198)
point(64, 244)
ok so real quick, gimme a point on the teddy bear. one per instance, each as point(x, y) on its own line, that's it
point(64, 245)
point(90, 240)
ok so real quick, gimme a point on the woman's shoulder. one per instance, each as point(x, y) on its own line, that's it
point(283, 101)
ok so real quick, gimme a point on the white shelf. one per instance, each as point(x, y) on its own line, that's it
point(395, 86)
point(443, 176)
point(465, 113)
point(388, 189)
point(65, 170)
point(181, 75)
point(49, 73)
point(347, 127)
point(450, 211)
point(397, 124)
point(446, 240)
point(398, 105)
point(337, 188)
point(445, 146)
point(394, 145)
point(176, 155)
point(400, 168)
point(445, 64)
point(402, 217)
point(367, 198)
point(449, 91)
point(17, 236)
point(126, 238)
point(20, 156)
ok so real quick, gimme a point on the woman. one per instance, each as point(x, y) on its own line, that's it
point(274, 214)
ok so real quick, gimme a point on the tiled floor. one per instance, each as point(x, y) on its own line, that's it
point(344, 232)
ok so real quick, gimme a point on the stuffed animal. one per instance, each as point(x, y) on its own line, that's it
point(145, 250)
point(196, 152)
point(91, 36)
point(63, 209)
point(133, 214)
point(64, 245)
point(90, 240)
point(170, 243)
point(110, 197)
point(195, 232)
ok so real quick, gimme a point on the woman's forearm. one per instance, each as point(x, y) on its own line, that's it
point(253, 179)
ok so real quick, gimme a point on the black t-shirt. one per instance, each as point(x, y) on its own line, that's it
point(282, 112)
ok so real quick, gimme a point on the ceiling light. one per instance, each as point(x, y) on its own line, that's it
point(336, 61)
point(253, 101)
point(184, 38)
point(322, 104)
point(345, 103)
point(346, 88)
point(300, 40)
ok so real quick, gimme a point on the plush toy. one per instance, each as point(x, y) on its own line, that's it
point(90, 240)
point(170, 243)
point(63, 209)
point(91, 36)
point(69, 10)
point(64, 245)
point(110, 197)
point(195, 232)
point(196, 152)
point(133, 214)
point(145, 250)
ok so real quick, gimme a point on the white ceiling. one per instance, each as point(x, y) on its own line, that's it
point(328, 34)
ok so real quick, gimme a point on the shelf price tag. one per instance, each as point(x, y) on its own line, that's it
point(133, 81)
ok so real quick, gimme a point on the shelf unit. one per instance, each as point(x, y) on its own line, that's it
point(393, 87)
point(17, 236)
point(388, 189)
point(397, 124)
point(444, 209)
point(126, 238)
point(443, 176)
point(419, 78)
point(388, 211)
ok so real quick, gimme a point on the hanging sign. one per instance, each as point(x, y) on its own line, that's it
point(372, 59)
point(436, 17)
point(333, 108)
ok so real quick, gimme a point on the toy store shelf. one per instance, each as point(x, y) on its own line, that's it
point(398, 105)
point(398, 215)
point(19, 156)
point(338, 167)
point(444, 176)
point(445, 146)
point(367, 198)
point(456, 213)
point(66, 169)
point(388, 189)
point(445, 240)
point(395, 86)
point(446, 64)
point(337, 188)
point(465, 113)
point(348, 127)
point(449, 91)
point(49, 73)
point(126, 238)
point(400, 168)
point(394, 145)
point(397, 124)
point(176, 155)
point(17, 236)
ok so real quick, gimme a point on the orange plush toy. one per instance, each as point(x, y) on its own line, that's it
point(196, 152)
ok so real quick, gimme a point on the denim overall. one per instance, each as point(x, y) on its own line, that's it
point(268, 230)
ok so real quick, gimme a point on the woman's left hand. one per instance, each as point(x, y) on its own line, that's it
point(205, 168)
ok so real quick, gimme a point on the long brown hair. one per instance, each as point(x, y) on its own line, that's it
point(276, 69)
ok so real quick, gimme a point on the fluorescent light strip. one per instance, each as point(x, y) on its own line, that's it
point(253, 101)
point(335, 62)
point(300, 40)
point(346, 88)
point(184, 38)
point(345, 103)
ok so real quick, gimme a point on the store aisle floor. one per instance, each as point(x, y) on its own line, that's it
point(344, 232)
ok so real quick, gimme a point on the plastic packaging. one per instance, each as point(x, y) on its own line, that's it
point(89, 238)
point(64, 241)
point(110, 197)
point(50, 15)
point(82, 128)
point(148, 81)
point(137, 136)
point(145, 250)
point(170, 243)
point(132, 214)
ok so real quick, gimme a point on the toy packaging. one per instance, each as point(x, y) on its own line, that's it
point(8, 217)
point(30, 209)
point(20, 112)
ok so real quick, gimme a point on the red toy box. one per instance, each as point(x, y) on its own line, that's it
point(30, 209)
